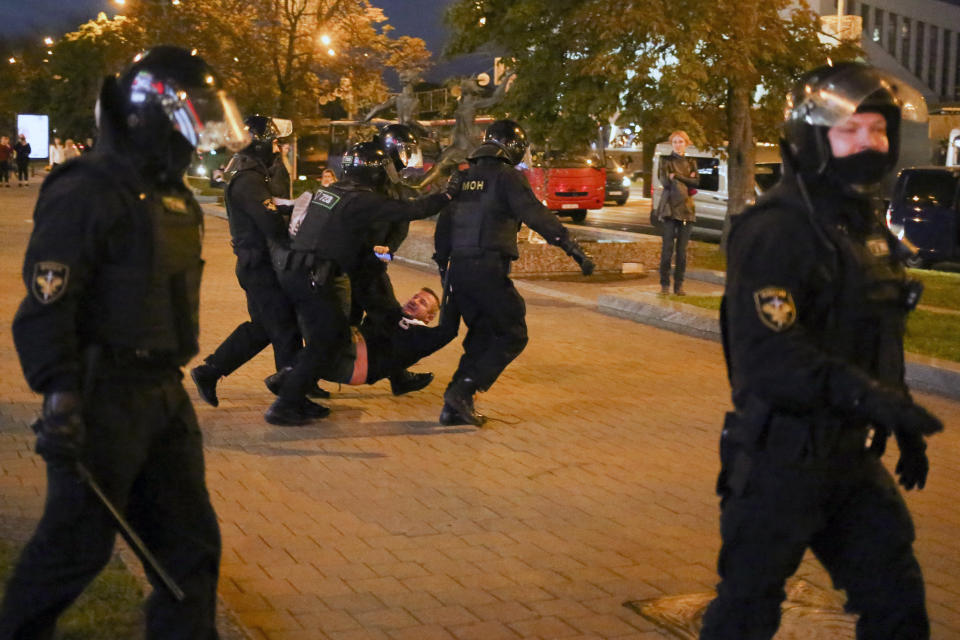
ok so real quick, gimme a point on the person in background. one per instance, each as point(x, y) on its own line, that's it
point(328, 177)
point(6, 155)
point(56, 153)
point(677, 176)
point(22, 149)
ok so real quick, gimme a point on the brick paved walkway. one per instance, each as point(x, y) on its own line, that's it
point(591, 486)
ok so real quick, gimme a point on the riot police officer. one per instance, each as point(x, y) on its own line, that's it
point(333, 239)
point(255, 224)
point(111, 314)
point(813, 318)
point(476, 242)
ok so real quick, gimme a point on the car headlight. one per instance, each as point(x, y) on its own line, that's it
point(625, 182)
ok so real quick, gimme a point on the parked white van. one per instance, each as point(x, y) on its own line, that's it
point(711, 197)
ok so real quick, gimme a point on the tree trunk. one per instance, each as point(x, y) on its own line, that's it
point(742, 152)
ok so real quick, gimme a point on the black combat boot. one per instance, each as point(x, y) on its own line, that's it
point(405, 382)
point(284, 413)
point(314, 409)
point(459, 396)
point(275, 380)
point(449, 417)
point(205, 377)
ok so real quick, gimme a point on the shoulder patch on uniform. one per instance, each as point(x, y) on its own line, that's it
point(269, 204)
point(878, 246)
point(326, 199)
point(174, 203)
point(49, 281)
point(775, 307)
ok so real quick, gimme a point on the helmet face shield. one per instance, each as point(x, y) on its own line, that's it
point(827, 101)
point(204, 115)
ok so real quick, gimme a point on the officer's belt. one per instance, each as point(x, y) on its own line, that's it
point(137, 358)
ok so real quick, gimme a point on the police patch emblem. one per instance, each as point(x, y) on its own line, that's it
point(775, 307)
point(269, 204)
point(49, 281)
point(326, 199)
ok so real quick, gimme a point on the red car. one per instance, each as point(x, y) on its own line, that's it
point(568, 184)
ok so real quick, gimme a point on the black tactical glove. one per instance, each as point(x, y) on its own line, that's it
point(913, 466)
point(896, 413)
point(453, 184)
point(60, 430)
point(575, 251)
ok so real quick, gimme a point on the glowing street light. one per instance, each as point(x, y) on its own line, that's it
point(12, 61)
point(331, 52)
point(325, 39)
point(48, 41)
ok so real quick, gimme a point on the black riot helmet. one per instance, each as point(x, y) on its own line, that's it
point(400, 144)
point(827, 95)
point(509, 138)
point(263, 131)
point(365, 163)
point(166, 104)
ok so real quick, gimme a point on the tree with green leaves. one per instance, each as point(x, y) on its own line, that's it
point(717, 68)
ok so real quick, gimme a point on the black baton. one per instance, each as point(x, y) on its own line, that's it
point(131, 536)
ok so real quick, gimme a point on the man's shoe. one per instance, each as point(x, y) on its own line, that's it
point(459, 395)
point(405, 382)
point(205, 377)
point(664, 291)
point(679, 292)
point(449, 417)
point(315, 410)
point(285, 414)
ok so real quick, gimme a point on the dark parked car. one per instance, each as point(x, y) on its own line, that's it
point(924, 211)
point(618, 183)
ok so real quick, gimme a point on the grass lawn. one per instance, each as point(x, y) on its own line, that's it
point(109, 609)
point(928, 333)
point(940, 288)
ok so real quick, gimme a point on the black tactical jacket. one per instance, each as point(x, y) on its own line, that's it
point(113, 260)
point(343, 217)
point(256, 223)
point(494, 200)
point(815, 305)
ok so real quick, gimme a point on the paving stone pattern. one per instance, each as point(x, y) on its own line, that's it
point(591, 486)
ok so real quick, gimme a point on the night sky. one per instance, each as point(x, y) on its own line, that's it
point(420, 18)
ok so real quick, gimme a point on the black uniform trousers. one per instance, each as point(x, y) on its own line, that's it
point(323, 325)
point(144, 447)
point(494, 314)
point(846, 508)
point(272, 321)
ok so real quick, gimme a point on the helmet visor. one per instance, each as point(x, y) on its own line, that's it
point(206, 117)
point(838, 96)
